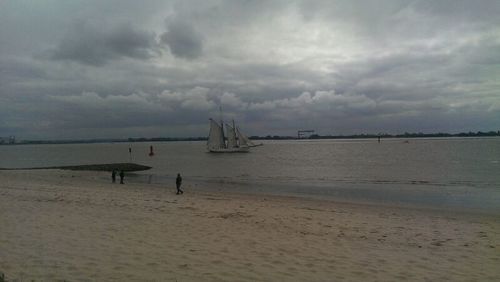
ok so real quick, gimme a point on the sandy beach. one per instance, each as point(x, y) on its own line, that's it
point(77, 226)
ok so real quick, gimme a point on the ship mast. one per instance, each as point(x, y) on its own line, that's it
point(222, 127)
point(235, 137)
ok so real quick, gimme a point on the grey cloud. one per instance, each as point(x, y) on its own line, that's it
point(94, 111)
point(485, 51)
point(354, 10)
point(336, 66)
point(183, 40)
point(192, 99)
point(397, 22)
point(461, 10)
point(92, 44)
point(18, 70)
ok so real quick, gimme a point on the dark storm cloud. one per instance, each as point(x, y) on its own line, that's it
point(183, 40)
point(95, 44)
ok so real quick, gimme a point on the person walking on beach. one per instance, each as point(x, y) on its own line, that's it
point(113, 176)
point(122, 174)
point(178, 183)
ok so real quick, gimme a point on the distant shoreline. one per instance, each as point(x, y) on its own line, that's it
point(269, 137)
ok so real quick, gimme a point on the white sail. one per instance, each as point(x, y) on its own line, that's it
point(231, 137)
point(244, 141)
point(215, 136)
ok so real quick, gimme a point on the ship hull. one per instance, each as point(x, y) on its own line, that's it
point(230, 150)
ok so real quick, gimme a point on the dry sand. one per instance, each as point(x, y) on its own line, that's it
point(76, 226)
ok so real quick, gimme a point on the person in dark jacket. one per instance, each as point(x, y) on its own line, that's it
point(122, 174)
point(178, 183)
point(113, 176)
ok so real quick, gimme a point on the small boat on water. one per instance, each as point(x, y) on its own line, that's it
point(237, 142)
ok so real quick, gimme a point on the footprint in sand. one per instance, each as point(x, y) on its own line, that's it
point(482, 234)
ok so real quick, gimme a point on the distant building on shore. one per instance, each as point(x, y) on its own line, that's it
point(8, 140)
point(304, 134)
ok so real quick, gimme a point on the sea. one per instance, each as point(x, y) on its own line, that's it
point(461, 173)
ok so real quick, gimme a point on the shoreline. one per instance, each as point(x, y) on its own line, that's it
point(71, 225)
point(395, 196)
point(133, 168)
point(100, 176)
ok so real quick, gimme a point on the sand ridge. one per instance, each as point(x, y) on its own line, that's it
point(77, 226)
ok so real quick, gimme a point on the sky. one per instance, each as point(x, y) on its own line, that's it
point(125, 68)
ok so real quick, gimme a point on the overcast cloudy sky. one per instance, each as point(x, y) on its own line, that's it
point(118, 69)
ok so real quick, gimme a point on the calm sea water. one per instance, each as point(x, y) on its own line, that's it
point(436, 172)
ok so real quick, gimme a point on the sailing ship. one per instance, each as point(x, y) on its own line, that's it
point(237, 142)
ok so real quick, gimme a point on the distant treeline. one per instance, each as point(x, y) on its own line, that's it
point(274, 137)
point(384, 135)
point(158, 139)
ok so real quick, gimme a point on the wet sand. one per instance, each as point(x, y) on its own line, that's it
point(67, 225)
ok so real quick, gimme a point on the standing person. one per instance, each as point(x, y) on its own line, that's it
point(178, 183)
point(122, 174)
point(113, 176)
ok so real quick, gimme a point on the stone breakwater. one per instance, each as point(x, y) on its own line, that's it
point(93, 167)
